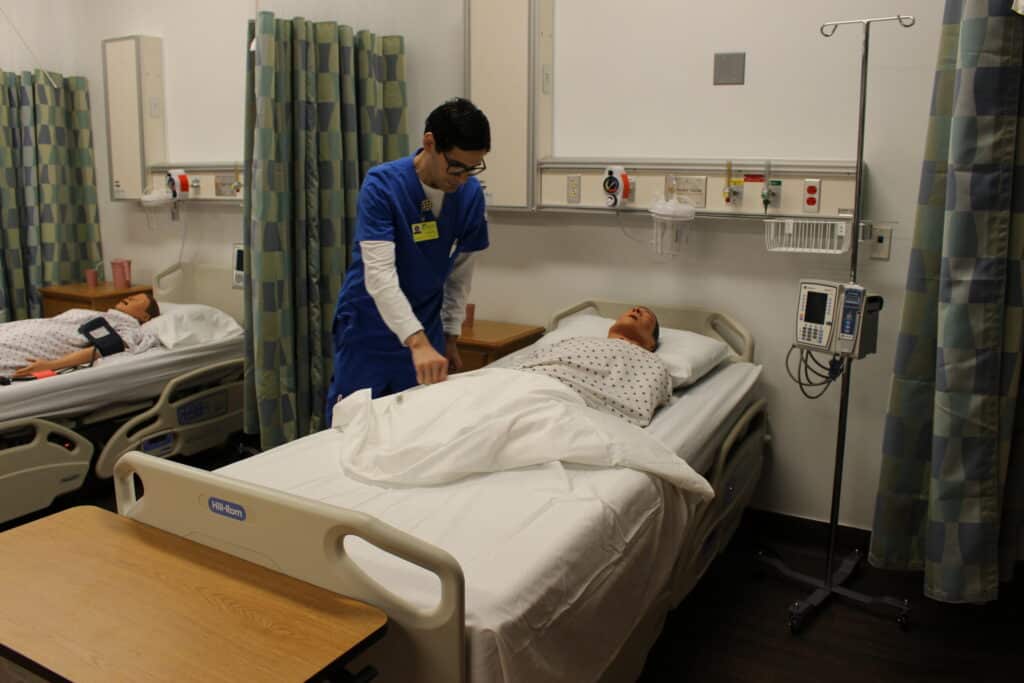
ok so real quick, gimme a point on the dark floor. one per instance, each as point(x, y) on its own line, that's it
point(734, 625)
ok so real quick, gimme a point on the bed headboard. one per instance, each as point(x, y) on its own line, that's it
point(709, 323)
point(199, 283)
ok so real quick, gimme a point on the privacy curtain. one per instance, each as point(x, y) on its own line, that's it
point(952, 479)
point(324, 104)
point(49, 217)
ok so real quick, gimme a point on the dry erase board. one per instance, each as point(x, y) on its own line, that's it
point(635, 79)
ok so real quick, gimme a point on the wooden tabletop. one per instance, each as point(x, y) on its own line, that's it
point(80, 290)
point(488, 333)
point(93, 596)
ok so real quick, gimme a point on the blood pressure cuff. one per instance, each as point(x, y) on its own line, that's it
point(102, 336)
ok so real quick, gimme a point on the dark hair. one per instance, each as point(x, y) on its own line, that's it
point(657, 331)
point(458, 123)
point(153, 309)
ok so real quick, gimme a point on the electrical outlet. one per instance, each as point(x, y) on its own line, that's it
point(881, 244)
point(572, 189)
point(812, 195)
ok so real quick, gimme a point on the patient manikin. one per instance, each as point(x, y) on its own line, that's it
point(41, 344)
point(619, 375)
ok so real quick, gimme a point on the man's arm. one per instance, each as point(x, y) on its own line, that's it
point(71, 360)
point(382, 286)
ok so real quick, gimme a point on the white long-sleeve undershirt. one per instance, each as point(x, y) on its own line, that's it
point(381, 279)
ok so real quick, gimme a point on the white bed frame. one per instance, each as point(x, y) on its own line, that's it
point(41, 458)
point(305, 539)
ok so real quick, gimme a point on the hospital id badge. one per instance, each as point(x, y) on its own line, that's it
point(421, 232)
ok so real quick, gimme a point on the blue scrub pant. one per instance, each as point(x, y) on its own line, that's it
point(358, 366)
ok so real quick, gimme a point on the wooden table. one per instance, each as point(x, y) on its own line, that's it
point(485, 341)
point(88, 595)
point(60, 298)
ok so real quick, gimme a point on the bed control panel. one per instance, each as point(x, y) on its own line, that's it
point(159, 446)
point(203, 408)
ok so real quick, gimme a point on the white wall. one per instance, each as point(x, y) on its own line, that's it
point(537, 264)
point(47, 26)
point(204, 57)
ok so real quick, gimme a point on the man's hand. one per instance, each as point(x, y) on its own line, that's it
point(431, 366)
point(451, 352)
point(34, 365)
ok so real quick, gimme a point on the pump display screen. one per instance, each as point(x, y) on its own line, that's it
point(815, 311)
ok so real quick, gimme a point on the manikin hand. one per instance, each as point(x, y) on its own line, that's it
point(34, 365)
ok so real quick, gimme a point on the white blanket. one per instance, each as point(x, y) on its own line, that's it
point(492, 420)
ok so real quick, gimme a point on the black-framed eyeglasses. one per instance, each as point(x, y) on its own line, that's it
point(459, 168)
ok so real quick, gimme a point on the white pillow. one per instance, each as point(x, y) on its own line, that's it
point(189, 324)
point(687, 355)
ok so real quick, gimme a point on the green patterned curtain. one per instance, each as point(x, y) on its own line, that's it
point(323, 105)
point(49, 216)
point(952, 482)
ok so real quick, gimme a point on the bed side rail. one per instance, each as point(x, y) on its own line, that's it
point(738, 431)
point(735, 475)
point(196, 410)
point(305, 539)
point(39, 460)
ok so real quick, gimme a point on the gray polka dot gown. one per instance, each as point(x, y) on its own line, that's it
point(610, 375)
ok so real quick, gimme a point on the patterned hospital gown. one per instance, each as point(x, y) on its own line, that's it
point(52, 338)
point(610, 375)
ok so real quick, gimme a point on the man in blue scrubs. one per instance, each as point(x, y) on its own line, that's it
point(420, 221)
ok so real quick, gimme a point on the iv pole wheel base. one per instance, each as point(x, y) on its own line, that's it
point(903, 618)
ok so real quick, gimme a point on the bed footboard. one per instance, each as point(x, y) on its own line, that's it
point(195, 411)
point(39, 460)
point(305, 539)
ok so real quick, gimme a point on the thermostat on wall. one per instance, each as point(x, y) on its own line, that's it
point(238, 260)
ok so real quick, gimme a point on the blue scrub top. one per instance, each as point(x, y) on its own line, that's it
point(391, 201)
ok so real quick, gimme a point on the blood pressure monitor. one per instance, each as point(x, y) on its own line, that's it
point(838, 318)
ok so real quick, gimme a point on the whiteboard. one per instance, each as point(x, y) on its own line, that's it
point(634, 80)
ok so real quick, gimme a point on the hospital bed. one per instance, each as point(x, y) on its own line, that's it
point(164, 402)
point(493, 577)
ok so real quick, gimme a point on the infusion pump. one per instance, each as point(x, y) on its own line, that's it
point(833, 317)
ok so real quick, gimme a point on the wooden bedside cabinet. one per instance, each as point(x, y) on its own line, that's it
point(485, 341)
point(60, 298)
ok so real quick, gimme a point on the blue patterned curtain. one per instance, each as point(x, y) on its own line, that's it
point(324, 104)
point(952, 480)
point(49, 215)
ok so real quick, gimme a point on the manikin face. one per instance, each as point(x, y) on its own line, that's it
point(635, 326)
point(449, 170)
point(135, 306)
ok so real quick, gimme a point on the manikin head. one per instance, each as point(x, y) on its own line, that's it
point(638, 326)
point(456, 138)
point(141, 306)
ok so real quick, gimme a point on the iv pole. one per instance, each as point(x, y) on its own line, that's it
point(800, 610)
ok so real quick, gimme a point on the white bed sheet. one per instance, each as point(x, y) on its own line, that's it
point(696, 412)
point(121, 378)
point(561, 562)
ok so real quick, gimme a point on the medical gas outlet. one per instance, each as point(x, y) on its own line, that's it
point(619, 187)
point(732, 192)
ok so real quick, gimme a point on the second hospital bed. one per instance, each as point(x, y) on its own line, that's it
point(164, 401)
point(544, 573)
